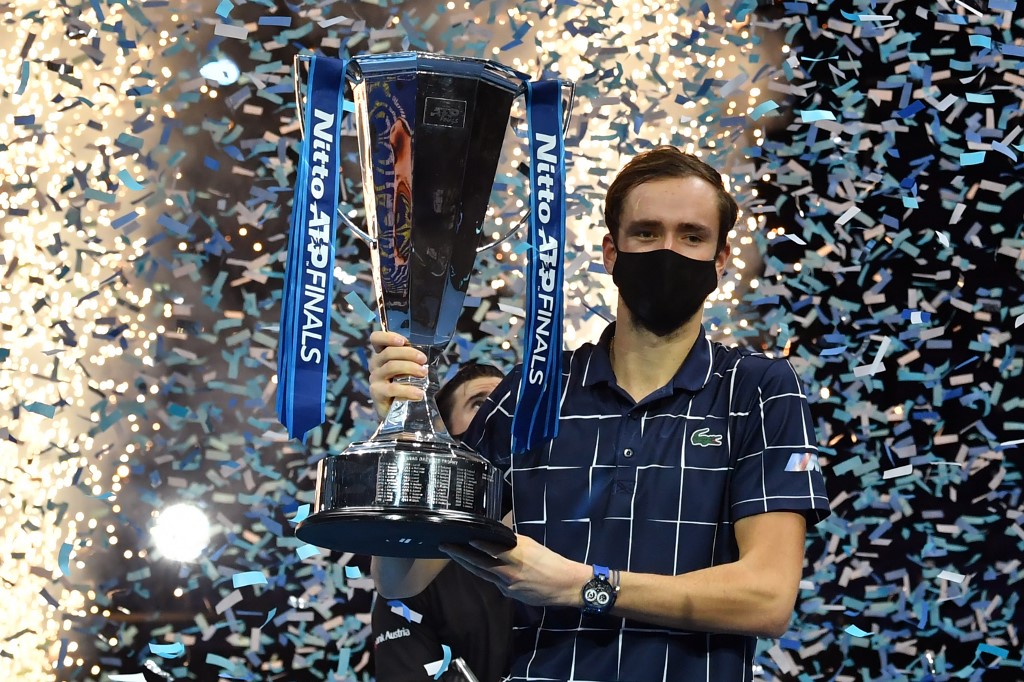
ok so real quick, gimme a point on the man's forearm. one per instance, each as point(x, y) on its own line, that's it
point(400, 577)
point(730, 598)
point(753, 595)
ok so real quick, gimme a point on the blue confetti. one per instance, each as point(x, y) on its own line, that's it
point(168, 650)
point(971, 158)
point(247, 578)
point(762, 109)
point(812, 115)
point(274, 21)
point(64, 557)
point(300, 515)
point(128, 180)
point(306, 551)
point(445, 661)
point(406, 612)
point(997, 651)
point(23, 83)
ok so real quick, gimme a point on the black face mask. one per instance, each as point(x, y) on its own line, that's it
point(663, 289)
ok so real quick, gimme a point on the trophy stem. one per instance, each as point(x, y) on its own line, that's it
point(417, 420)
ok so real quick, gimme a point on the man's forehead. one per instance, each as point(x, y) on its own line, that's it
point(478, 385)
point(689, 183)
point(674, 200)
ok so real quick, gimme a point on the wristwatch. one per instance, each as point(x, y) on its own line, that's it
point(600, 591)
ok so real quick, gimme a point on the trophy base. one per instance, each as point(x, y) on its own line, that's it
point(406, 533)
point(403, 498)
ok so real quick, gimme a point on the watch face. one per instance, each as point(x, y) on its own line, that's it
point(597, 595)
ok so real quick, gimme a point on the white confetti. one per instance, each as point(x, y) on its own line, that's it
point(969, 8)
point(905, 470)
point(845, 218)
point(952, 577)
point(511, 309)
point(231, 31)
point(877, 365)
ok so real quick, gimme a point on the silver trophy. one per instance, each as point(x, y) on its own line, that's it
point(430, 129)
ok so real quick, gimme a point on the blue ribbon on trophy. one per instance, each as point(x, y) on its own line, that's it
point(309, 270)
point(536, 417)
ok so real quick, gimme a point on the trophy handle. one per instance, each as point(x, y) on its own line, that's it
point(355, 229)
point(299, 61)
point(566, 118)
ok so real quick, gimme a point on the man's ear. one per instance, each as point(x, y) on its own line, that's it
point(722, 258)
point(608, 252)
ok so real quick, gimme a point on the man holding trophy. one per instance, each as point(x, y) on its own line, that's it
point(656, 525)
point(663, 529)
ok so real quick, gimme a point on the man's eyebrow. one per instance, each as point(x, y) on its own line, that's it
point(648, 223)
point(642, 223)
point(695, 227)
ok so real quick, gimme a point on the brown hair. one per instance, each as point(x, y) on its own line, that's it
point(663, 162)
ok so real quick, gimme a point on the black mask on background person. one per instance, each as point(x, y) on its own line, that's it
point(662, 288)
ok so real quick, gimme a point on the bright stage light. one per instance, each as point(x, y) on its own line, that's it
point(181, 532)
point(222, 71)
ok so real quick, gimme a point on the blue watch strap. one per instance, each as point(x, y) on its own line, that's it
point(602, 572)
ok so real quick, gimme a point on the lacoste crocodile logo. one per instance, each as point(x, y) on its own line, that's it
point(702, 439)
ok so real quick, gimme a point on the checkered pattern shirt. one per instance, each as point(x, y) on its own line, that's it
point(652, 487)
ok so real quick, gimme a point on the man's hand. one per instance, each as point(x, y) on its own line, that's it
point(529, 572)
point(393, 357)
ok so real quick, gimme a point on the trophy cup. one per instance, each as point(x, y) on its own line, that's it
point(430, 130)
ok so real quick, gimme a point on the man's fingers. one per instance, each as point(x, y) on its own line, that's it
point(400, 392)
point(393, 357)
point(481, 573)
point(406, 354)
point(491, 549)
point(383, 385)
point(466, 554)
point(382, 339)
point(398, 368)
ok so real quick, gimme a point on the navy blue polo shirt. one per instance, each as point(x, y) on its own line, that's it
point(651, 487)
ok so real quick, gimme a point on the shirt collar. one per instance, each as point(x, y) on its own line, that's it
point(691, 376)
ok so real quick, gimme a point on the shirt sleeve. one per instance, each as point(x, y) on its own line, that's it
point(776, 455)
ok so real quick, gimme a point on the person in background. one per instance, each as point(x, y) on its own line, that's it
point(458, 609)
point(662, 531)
